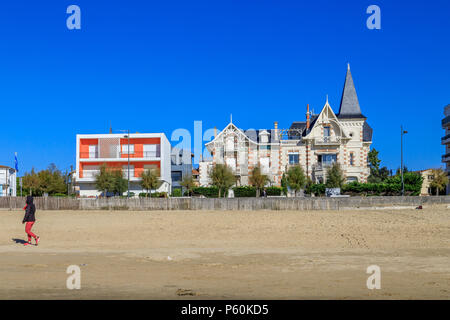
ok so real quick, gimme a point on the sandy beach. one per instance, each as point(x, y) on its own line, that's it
point(228, 255)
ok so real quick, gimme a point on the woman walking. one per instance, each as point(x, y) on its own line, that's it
point(30, 219)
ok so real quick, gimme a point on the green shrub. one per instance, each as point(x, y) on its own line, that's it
point(274, 191)
point(61, 195)
point(209, 192)
point(159, 195)
point(316, 188)
point(244, 191)
point(176, 192)
point(143, 195)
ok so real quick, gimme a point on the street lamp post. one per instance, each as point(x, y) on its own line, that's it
point(128, 169)
point(402, 132)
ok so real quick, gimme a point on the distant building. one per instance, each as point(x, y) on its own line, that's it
point(8, 181)
point(145, 151)
point(428, 177)
point(204, 168)
point(181, 167)
point(315, 144)
point(446, 141)
point(196, 176)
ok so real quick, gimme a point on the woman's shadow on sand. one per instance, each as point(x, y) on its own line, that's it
point(20, 241)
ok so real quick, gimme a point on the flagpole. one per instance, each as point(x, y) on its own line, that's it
point(16, 166)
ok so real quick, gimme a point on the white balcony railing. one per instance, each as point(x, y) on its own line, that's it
point(120, 155)
point(327, 140)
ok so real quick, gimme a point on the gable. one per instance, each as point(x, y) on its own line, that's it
point(326, 117)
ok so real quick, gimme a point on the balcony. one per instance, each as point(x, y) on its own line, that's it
point(327, 141)
point(119, 155)
point(322, 166)
point(445, 140)
point(446, 157)
point(446, 121)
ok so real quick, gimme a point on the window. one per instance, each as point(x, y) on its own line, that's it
point(326, 131)
point(264, 147)
point(293, 158)
point(90, 171)
point(173, 159)
point(352, 159)
point(151, 150)
point(125, 149)
point(352, 179)
point(177, 176)
point(125, 171)
point(327, 159)
point(150, 167)
point(431, 177)
point(93, 151)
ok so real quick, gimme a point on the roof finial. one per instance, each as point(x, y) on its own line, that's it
point(348, 65)
point(231, 118)
point(327, 99)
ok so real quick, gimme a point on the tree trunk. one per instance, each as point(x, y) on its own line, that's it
point(437, 191)
point(219, 192)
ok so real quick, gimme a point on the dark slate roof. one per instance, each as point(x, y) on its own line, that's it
point(302, 126)
point(367, 132)
point(349, 108)
point(298, 125)
point(253, 134)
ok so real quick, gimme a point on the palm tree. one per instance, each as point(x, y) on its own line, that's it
point(440, 180)
point(189, 183)
point(258, 180)
point(150, 180)
point(222, 177)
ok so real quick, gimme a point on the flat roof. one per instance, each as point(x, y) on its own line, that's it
point(120, 135)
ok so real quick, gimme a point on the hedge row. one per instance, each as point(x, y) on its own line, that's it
point(375, 189)
point(153, 195)
point(244, 191)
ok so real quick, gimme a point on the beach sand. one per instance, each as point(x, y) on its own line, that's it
point(228, 254)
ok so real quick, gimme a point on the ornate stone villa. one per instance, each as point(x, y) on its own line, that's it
point(315, 144)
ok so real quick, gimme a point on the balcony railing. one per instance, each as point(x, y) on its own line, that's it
point(120, 155)
point(446, 157)
point(322, 166)
point(445, 139)
point(327, 140)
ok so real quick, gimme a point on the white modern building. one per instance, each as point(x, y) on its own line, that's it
point(142, 151)
point(8, 185)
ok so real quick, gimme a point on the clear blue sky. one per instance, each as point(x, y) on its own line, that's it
point(155, 66)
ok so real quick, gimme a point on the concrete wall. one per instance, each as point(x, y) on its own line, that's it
point(275, 203)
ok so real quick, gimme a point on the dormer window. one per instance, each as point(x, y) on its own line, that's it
point(326, 131)
point(264, 136)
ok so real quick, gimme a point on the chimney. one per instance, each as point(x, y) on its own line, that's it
point(275, 125)
point(215, 132)
point(307, 117)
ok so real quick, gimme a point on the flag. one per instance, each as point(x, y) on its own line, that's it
point(16, 162)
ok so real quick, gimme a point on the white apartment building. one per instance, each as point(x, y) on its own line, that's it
point(8, 182)
point(142, 150)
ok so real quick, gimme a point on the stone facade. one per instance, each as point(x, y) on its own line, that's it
point(314, 144)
